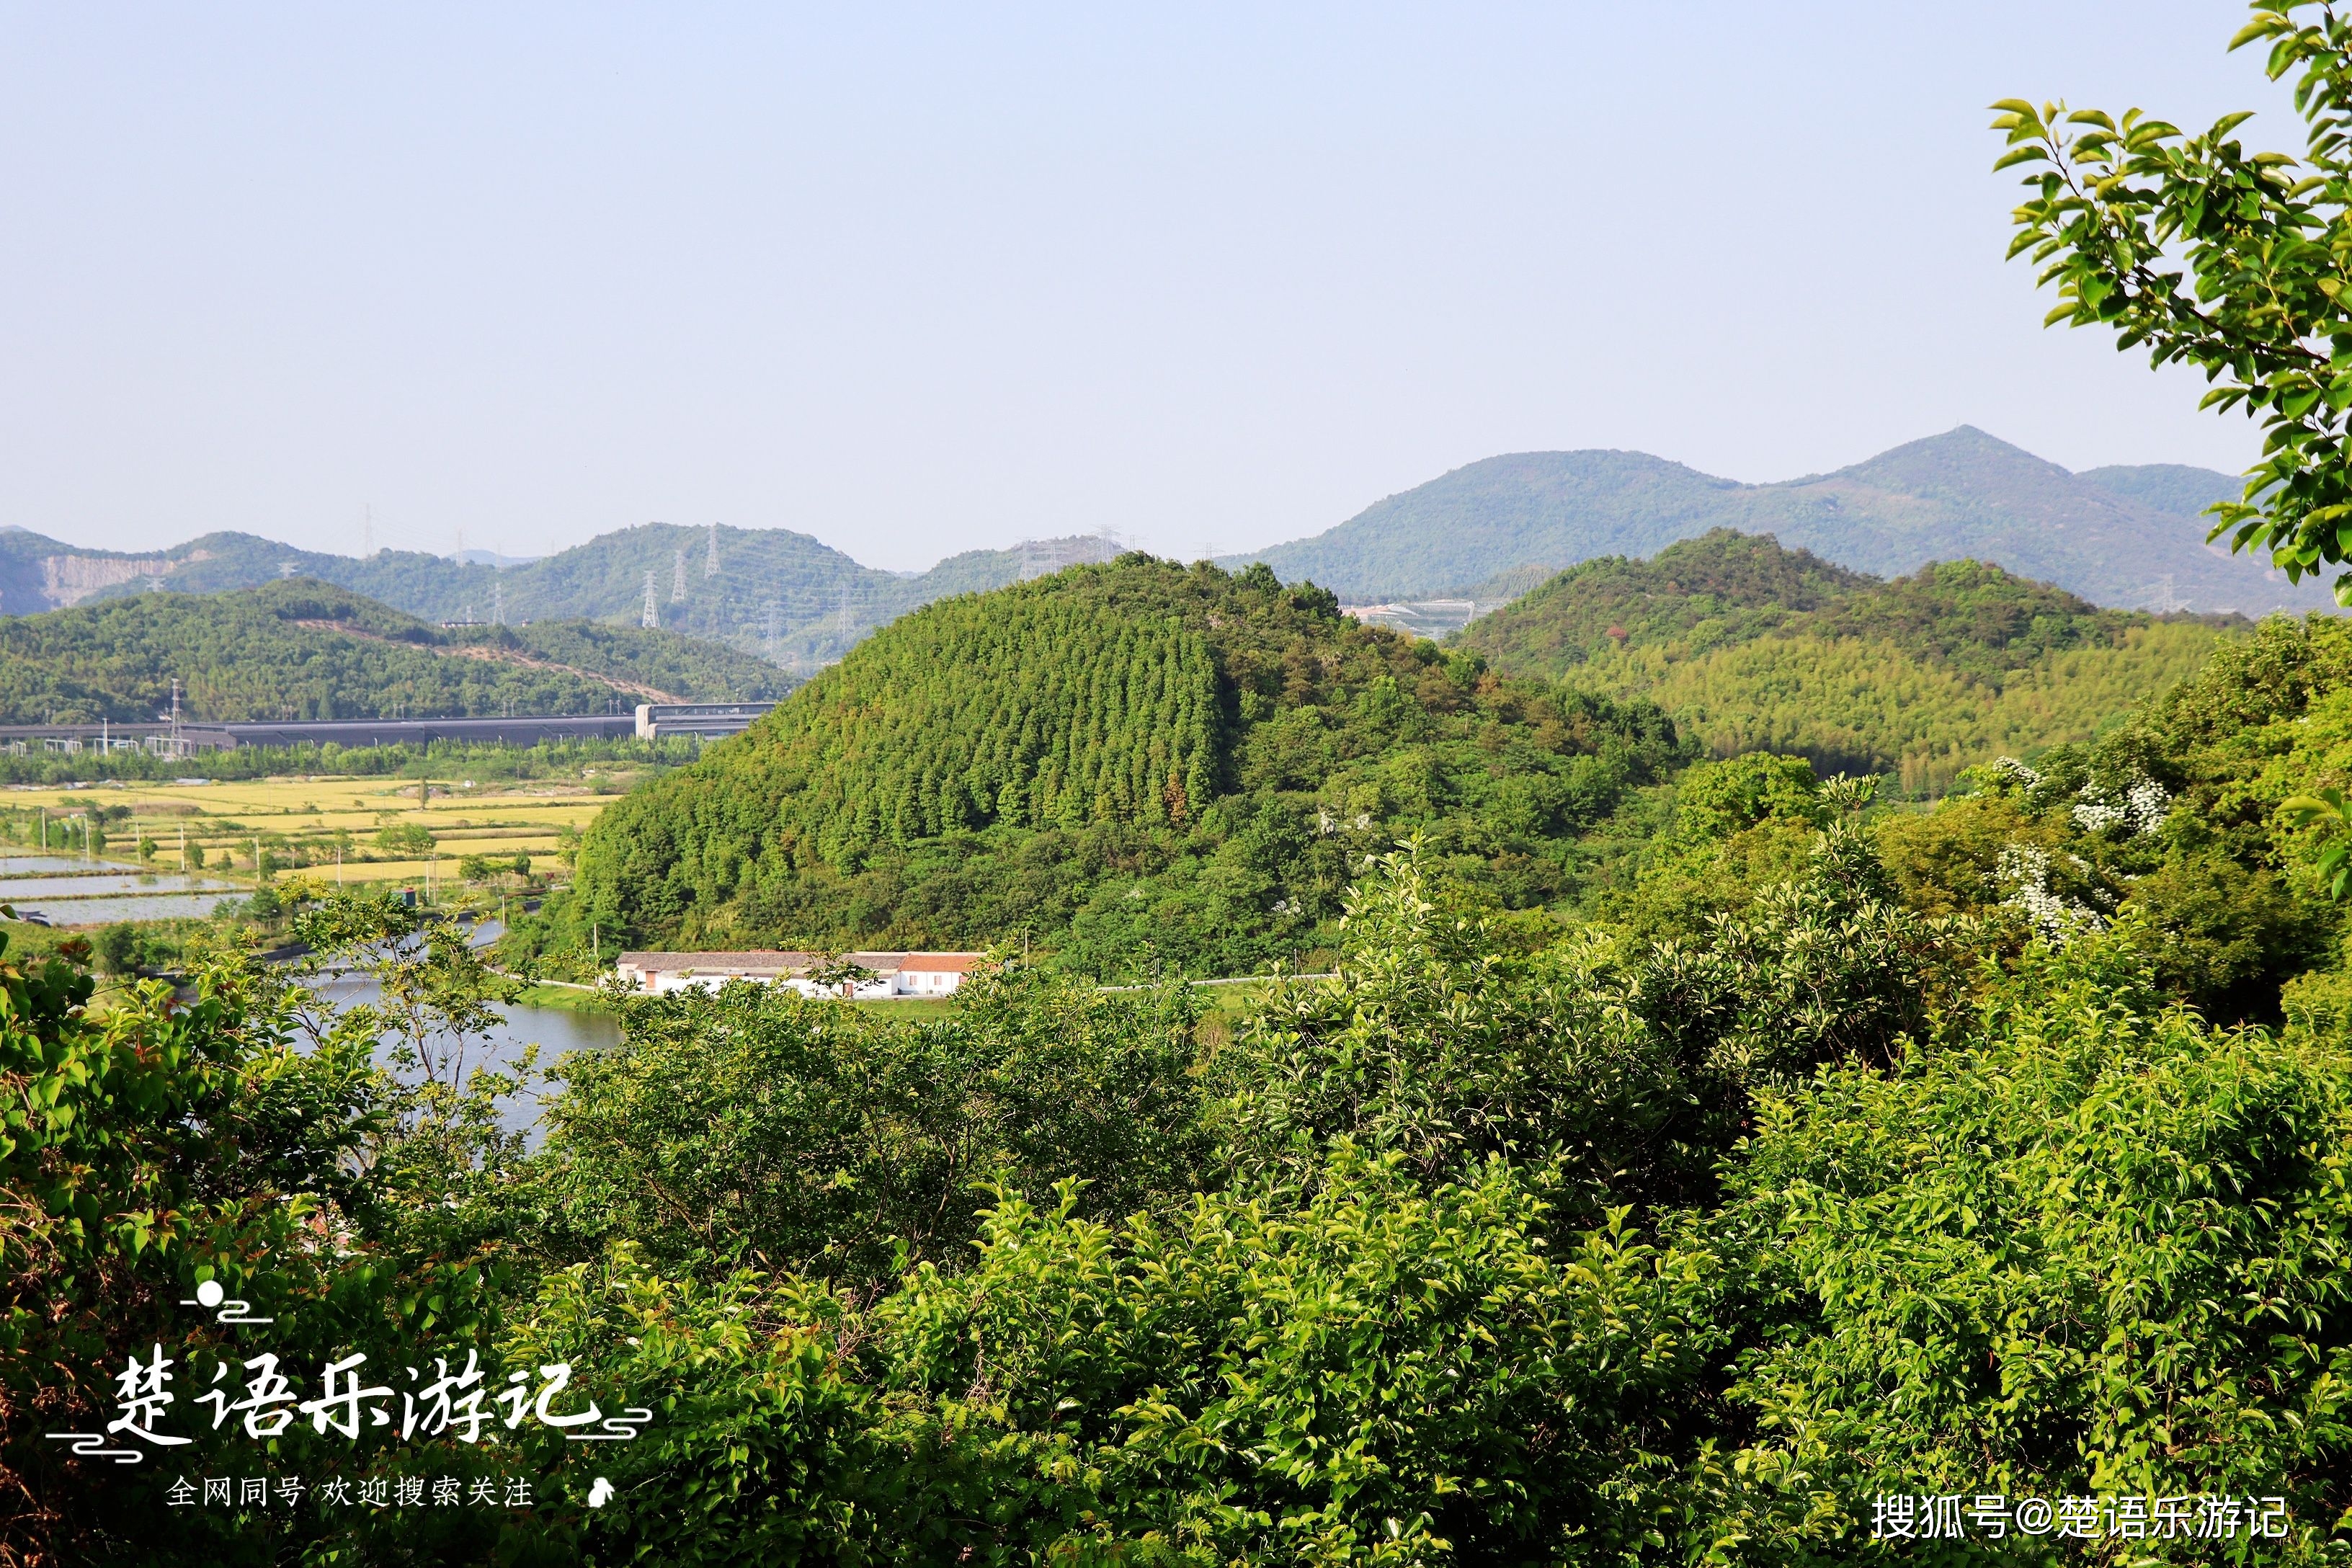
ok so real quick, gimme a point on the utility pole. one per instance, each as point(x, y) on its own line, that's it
point(678, 582)
point(652, 616)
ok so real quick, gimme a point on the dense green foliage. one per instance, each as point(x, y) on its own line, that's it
point(2056, 1247)
point(1133, 764)
point(832, 1142)
point(1751, 647)
point(2124, 537)
point(1496, 1247)
point(300, 650)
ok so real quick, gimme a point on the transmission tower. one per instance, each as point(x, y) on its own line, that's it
point(498, 602)
point(678, 582)
point(772, 609)
point(710, 562)
point(845, 612)
point(367, 533)
point(652, 617)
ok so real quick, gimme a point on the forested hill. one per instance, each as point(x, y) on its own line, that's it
point(2127, 537)
point(1750, 644)
point(297, 649)
point(1129, 765)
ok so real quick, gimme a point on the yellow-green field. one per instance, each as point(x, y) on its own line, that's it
point(325, 828)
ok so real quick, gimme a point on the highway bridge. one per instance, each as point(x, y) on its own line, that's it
point(710, 721)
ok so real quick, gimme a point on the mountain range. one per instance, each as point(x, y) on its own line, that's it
point(769, 592)
point(2124, 537)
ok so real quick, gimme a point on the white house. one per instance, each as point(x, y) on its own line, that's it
point(890, 975)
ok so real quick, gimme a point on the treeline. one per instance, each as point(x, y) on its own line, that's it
point(413, 759)
point(1135, 764)
point(1919, 678)
point(300, 650)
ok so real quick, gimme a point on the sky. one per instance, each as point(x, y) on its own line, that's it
point(918, 280)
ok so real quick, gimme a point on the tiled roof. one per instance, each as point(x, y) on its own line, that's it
point(781, 963)
point(668, 962)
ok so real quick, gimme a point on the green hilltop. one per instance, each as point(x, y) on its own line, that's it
point(1132, 764)
point(300, 649)
point(1751, 646)
point(2124, 537)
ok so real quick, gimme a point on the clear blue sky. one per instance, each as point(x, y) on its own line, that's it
point(920, 281)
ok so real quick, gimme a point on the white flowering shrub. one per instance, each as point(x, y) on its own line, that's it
point(2025, 872)
point(2150, 803)
point(2098, 816)
point(2015, 772)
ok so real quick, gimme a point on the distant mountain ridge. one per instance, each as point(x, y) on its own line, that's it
point(2124, 537)
point(774, 593)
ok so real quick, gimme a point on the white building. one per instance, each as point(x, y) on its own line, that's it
point(888, 974)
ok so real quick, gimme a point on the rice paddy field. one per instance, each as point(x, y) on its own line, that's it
point(208, 837)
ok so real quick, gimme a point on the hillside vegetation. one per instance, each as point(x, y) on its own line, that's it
point(1992, 1153)
point(2129, 537)
point(1131, 764)
point(298, 649)
point(1753, 647)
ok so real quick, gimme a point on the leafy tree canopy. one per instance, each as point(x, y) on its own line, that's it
point(2233, 261)
point(299, 649)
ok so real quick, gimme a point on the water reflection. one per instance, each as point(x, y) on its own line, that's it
point(101, 911)
point(553, 1030)
point(105, 882)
